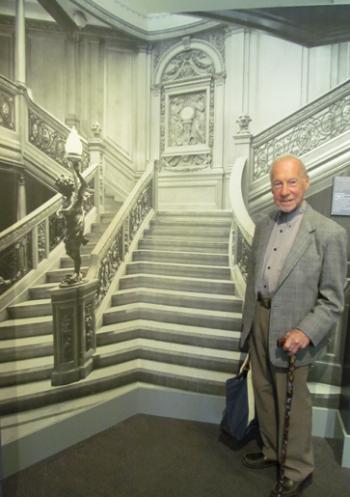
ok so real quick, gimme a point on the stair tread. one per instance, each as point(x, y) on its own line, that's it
point(26, 341)
point(166, 327)
point(25, 364)
point(28, 303)
point(172, 277)
point(179, 264)
point(21, 321)
point(153, 367)
point(181, 293)
point(39, 387)
point(175, 309)
point(178, 252)
point(137, 343)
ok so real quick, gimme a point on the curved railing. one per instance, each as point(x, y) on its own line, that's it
point(313, 125)
point(49, 135)
point(33, 126)
point(242, 226)
point(110, 251)
point(29, 241)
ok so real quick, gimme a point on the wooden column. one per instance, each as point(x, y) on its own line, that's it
point(20, 47)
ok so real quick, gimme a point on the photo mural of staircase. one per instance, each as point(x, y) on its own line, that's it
point(174, 321)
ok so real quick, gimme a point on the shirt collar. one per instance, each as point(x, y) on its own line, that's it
point(288, 217)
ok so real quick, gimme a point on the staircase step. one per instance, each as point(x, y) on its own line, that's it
point(25, 371)
point(25, 327)
point(192, 231)
point(181, 257)
point(222, 214)
point(162, 243)
point(30, 308)
point(177, 283)
point(178, 298)
point(173, 314)
point(36, 394)
point(41, 291)
point(171, 353)
point(66, 261)
point(191, 222)
point(26, 348)
point(33, 395)
point(189, 270)
point(168, 332)
point(57, 275)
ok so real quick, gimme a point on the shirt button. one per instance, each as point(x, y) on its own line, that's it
point(275, 249)
point(281, 231)
point(268, 267)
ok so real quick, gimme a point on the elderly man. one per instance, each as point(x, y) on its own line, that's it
point(294, 290)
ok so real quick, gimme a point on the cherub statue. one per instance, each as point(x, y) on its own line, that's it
point(72, 210)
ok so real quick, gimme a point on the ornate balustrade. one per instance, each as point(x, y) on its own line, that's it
point(29, 241)
point(37, 135)
point(308, 128)
point(242, 227)
point(74, 307)
point(49, 135)
point(111, 249)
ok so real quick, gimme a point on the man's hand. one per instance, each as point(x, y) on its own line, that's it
point(294, 340)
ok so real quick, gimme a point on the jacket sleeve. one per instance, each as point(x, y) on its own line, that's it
point(330, 299)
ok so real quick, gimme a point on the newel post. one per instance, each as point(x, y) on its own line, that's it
point(74, 331)
point(242, 148)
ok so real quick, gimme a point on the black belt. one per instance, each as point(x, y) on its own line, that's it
point(264, 301)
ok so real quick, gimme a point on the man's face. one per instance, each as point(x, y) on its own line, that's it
point(288, 184)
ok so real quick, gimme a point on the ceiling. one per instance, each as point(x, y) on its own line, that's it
point(308, 26)
point(309, 23)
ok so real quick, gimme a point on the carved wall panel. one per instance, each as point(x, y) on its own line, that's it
point(187, 112)
point(7, 110)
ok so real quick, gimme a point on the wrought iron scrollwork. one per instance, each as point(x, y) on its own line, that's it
point(109, 265)
point(122, 240)
point(242, 254)
point(16, 261)
point(52, 142)
point(56, 230)
point(306, 135)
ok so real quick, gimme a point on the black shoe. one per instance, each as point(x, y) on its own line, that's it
point(257, 460)
point(289, 487)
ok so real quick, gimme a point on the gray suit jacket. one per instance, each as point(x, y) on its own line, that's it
point(310, 291)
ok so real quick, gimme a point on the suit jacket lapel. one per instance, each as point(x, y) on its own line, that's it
point(301, 242)
point(262, 244)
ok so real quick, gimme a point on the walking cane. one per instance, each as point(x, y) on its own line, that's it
point(290, 386)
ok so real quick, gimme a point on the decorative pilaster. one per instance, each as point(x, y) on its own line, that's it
point(142, 84)
point(20, 47)
point(97, 149)
point(242, 145)
point(21, 197)
point(74, 330)
point(72, 54)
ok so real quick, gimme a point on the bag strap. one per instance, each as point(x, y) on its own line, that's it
point(245, 364)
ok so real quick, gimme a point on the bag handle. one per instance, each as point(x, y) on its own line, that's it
point(245, 364)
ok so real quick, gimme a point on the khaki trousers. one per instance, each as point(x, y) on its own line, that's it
point(270, 387)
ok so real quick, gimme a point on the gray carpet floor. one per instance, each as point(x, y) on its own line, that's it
point(148, 456)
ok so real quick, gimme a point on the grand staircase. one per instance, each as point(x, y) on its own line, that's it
point(174, 321)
